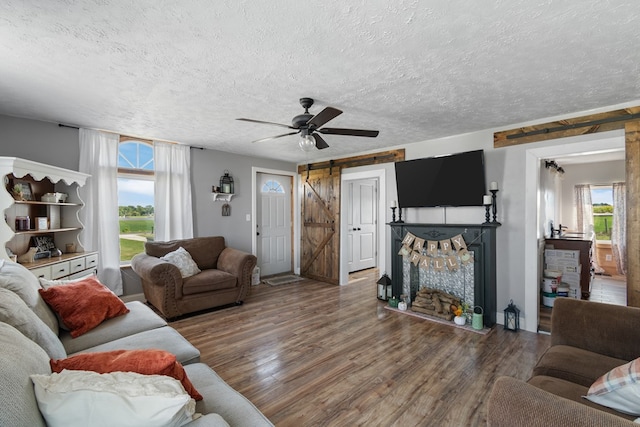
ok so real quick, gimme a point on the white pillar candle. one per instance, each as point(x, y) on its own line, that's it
point(393, 204)
point(486, 200)
point(494, 185)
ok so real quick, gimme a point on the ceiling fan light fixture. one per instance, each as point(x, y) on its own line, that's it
point(307, 143)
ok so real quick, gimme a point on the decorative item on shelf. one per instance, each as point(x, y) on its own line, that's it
point(402, 305)
point(70, 248)
point(511, 317)
point(384, 287)
point(42, 223)
point(13, 257)
point(54, 197)
point(44, 244)
point(22, 190)
point(487, 202)
point(226, 209)
point(393, 302)
point(27, 257)
point(460, 313)
point(215, 189)
point(23, 223)
point(393, 206)
point(400, 221)
point(476, 320)
point(494, 202)
point(226, 183)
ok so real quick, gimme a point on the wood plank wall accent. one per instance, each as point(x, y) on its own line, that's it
point(593, 123)
point(320, 237)
point(632, 168)
point(627, 119)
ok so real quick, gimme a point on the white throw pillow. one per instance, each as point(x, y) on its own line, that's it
point(46, 283)
point(619, 389)
point(182, 259)
point(84, 398)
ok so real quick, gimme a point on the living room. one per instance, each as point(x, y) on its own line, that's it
point(471, 125)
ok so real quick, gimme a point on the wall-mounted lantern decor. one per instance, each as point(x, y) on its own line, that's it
point(226, 183)
point(226, 209)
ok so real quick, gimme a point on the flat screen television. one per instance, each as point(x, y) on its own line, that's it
point(451, 180)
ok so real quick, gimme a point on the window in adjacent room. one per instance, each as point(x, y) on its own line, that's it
point(135, 195)
point(602, 202)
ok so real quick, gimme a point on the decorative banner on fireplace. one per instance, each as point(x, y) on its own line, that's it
point(436, 255)
point(408, 238)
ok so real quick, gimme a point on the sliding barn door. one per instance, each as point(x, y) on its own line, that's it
point(321, 225)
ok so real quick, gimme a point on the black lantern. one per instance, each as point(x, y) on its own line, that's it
point(226, 183)
point(511, 317)
point(384, 287)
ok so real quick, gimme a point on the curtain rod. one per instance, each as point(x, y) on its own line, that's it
point(128, 136)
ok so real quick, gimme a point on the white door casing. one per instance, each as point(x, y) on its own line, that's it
point(362, 208)
point(274, 225)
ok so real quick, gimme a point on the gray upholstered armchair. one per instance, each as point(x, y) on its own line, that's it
point(225, 276)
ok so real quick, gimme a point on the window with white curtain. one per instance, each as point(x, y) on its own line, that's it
point(602, 202)
point(136, 208)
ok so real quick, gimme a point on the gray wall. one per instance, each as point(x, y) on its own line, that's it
point(39, 141)
point(58, 146)
point(207, 166)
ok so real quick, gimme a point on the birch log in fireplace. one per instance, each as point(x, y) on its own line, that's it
point(459, 259)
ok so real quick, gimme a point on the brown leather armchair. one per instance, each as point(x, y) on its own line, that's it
point(225, 277)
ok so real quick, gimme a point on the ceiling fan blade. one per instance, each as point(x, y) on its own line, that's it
point(266, 123)
point(352, 132)
point(274, 137)
point(320, 143)
point(324, 116)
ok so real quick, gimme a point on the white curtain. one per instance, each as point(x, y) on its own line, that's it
point(584, 210)
point(173, 210)
point(99, 158)
point(619, 231)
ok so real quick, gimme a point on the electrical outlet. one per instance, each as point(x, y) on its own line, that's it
point(248, 217)
point(608, 257)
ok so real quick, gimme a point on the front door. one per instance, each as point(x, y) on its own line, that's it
point(362, 223)
point(274, 223)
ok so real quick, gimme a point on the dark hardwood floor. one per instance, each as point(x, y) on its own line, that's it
point(314, 354)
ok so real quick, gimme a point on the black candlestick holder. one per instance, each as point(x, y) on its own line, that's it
point(393, 214)
point(400, 215)
point(494, 206)
point(487, 214)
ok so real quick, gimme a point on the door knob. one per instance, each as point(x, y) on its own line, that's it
point(355, 229)
point(359, 229)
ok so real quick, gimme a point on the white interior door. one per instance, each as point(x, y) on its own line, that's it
point(362, 212)
point(274, 227)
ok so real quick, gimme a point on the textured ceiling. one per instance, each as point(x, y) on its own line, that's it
point(415, 70)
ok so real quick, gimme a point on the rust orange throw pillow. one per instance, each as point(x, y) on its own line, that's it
point(146, 362)
point(83, 305)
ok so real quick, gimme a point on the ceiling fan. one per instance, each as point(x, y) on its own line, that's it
point(308, 126)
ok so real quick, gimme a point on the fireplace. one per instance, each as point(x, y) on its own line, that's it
point(473, 281)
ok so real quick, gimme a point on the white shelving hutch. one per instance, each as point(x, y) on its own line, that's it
point(65, 225)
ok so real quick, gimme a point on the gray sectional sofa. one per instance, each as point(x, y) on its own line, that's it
point(30, 336)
